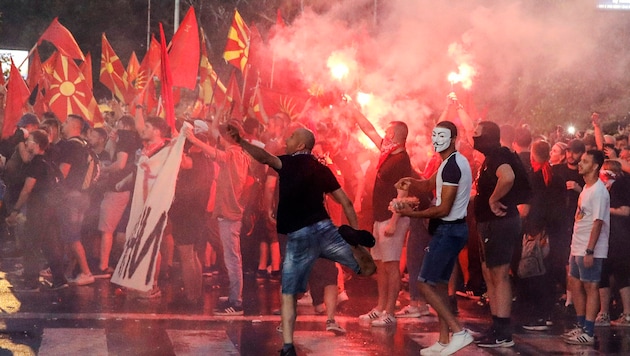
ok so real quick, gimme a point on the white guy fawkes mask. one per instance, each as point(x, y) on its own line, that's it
point(441, 138)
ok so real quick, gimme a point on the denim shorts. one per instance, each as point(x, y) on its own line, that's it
point(579, 271)
point(441, 254)
point(307, 244)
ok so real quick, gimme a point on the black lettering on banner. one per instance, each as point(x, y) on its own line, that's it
point(136, 251)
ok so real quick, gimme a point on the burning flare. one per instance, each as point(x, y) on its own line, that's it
point(465, 75)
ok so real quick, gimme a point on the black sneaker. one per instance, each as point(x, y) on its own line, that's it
point(59, 285)
point(537, 325)
point(493, 341)
point(275, 276)
point(289, 352)
point(229, 310)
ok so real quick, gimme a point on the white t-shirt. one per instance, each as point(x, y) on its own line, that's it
point(455, 171)
point(593, 204)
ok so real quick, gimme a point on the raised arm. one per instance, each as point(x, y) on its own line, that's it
point(258, 153)
point(365, 125)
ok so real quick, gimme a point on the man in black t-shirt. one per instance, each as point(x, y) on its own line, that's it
point(303, 218)
point(73, 201)
point(113, 204)
point(560, 236)
point(499, 227)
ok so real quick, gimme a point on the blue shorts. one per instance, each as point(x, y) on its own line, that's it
point(579, 271)
point(441, 254)
point(306, 245)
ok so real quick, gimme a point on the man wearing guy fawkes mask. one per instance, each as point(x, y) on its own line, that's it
point(449, 233)
point(499, 227)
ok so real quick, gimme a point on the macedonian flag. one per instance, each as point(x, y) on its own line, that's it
point(113, 74)
point(237, 46)
point(69, 92)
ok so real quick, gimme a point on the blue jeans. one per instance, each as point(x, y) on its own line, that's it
point(229, 232)
point(417, 245)
point(448, 240)
point(307, 244)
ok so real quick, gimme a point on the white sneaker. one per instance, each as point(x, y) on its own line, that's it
point(385, 320)
point(333, 327)
point(371, 315)
point(434, 349)
point(581, 339)
point(306, 299)
point(603, 319)
point(458, 341)
point(408, 312)
point(82, 280)
point(342, 297)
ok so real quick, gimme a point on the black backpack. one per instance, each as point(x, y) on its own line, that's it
point(93, 165)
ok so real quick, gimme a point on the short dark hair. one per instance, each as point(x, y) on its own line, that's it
point(448, 125)
point(101, 132)
point(40, 137)
point(492, 130)
point(541, 150)
point(522, 137)
point(160, 124)
point(128, 122)
point(598, 157)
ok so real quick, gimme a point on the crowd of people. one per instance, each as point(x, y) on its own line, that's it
point(305, 189)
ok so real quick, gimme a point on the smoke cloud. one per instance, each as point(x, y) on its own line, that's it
point(404, 59)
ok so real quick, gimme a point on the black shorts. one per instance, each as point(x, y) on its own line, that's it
point(498, 239)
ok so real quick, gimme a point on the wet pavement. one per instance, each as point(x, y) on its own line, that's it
point(99, 320)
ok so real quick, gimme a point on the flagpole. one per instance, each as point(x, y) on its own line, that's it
point(148, 24)
point(28, 56)
point(245, 75)
point(273, 68)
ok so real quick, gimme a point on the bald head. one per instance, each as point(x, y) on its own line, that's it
point(399, 131)
point(301, 139)
point(306, 137)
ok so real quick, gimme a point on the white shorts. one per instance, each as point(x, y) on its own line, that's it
point(389, 248)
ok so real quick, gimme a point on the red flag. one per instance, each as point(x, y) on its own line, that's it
point(133, 67)
point(69, 92)
point(167, 83)
point(233, 95)
point(17, 95)
point(184, 55)
point(275, 101)
point(237, 46)
point(112, 73)
point(34, 70)
point(59, 36)
point(150, 65)
point(257, 107)
point(86, 69)
point(211, 90)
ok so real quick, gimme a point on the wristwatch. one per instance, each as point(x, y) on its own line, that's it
point(589, 251)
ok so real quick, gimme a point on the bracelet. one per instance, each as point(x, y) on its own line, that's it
point(460, 107)
point(141, 107)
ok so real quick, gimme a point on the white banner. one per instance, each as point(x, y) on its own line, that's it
point(152, 197)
